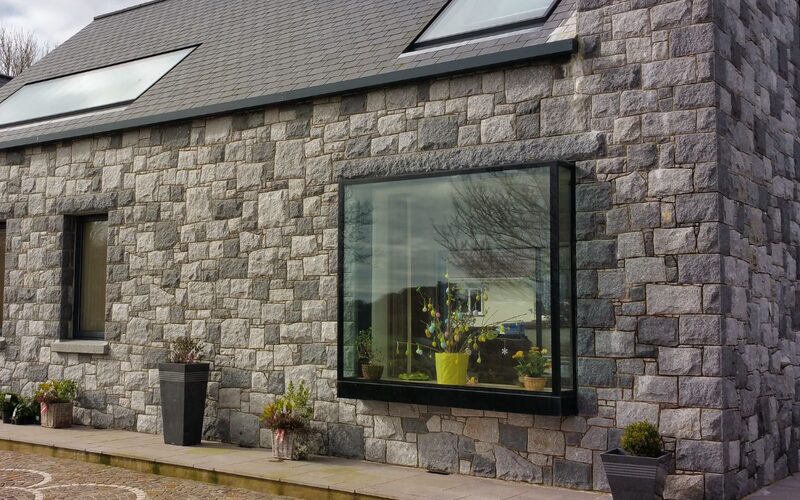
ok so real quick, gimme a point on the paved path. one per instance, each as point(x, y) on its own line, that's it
point(33, 477)
point(320, 477)
point(785, 489)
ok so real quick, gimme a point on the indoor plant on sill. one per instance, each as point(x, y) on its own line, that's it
point(184, 384)
point(639, 469)
point(371, 368)
point(8, 402)
point(55, 399)
point(288, 418)
point(531, 367)
point(454, 336)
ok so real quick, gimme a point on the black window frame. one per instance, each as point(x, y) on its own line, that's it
point(77, 333)
point(474, 34)
point(558, 402)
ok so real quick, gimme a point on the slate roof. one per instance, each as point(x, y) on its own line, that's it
point(257, 52)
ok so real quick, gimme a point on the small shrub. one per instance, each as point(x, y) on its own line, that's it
point(642, 439)
point(26, 411)
point(8, 401)
point(56, 391)
point(185, 350)
point(289, 412)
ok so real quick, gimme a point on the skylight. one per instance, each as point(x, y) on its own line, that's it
point(463, 17)
point(89, 90)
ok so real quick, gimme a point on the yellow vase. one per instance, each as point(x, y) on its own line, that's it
point(451, 368)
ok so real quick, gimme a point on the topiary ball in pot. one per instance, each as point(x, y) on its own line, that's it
point(639, 469)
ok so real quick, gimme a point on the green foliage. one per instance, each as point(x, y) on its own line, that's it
point(290, 412)
point(364, 345)
point(13, 401)
point(532, 363)
point(418, 376)
point(185, 350)
point(642, 440)
point(56, 391)
point(26, 410)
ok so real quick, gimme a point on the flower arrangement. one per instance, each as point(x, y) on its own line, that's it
point(532, 363)
point(185, 350)
point(290, 412)
point(56, 391)
point(371, 366)
point(453, 330)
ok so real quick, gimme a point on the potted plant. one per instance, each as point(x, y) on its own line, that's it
point(371, 368)
point(184, 385)
point(638, 470)
point(454, 336)
point(531, 366)
point(26, 412)
point(8, 402)
point(288, 419)
point(55, 399)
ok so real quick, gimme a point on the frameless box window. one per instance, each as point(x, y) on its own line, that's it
point(94, 89)
point(91, 257)
point(462, 17)
point(460, 281)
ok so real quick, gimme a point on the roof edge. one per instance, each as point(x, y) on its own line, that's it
point(540, 51)
point(126, 9)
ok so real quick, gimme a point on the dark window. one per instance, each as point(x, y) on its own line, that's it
point(472, 18)
point(2, 272)
point(91, 243)
point(461, 270)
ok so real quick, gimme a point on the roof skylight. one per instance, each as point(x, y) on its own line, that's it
point(98, 88)
point(465, 17)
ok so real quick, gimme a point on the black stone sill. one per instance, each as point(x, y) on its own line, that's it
point(538, 51)
point(474, 398)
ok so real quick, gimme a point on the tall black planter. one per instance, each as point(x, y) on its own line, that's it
point(183, 401)
point(635, 478)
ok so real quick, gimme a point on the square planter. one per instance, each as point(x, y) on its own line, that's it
point(635, 478)
point(183, 401)
point(289, 445)
point(56, 415)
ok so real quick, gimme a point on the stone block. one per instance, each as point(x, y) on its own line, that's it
point(682, 423)
point(672, 299)
point(273, 208)
point(645, 270)
point(565, 115)
point(674, 241)
point(244, 429)
point(656, 389)
point(498, 129)
point(512, 467)
point(679, 361)
point(438, 451)
point(629, 412)
point(700, 456)
point(438, 132)
point(569, 474)
point(524, 84)
point(347, 441)
point(669, 181)
point(401, 453)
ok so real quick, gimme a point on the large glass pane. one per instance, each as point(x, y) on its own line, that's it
point(2, 272)
point(465, 16)
point(447, 278)
point(94, 238)
point(565, 250)
point(97, 88)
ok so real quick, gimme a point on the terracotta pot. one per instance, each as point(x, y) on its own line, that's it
point(534, 383)
point(56, 415)
point(451, 368)
point(372, 371)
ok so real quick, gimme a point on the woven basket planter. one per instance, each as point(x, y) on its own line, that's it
point(284, 446)
point(56, 415)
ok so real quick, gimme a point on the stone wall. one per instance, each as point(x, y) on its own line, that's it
point(225, 229)
point(758, 73)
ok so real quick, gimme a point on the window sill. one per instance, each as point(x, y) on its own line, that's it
point(80, 347)
point(533, 403)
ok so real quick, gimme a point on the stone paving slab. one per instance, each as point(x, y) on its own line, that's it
point(322, 477)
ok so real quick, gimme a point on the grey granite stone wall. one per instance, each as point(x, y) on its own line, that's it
point(758, 73)
point(225, 229)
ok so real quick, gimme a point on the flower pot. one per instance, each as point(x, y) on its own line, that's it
point(288, 445)
point(451, 368)
point(183, 401)
point(534, 383)
point(7, 414)
point(635, 478)
point(372, 372)
point(56, 415)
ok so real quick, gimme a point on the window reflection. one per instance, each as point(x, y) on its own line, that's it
point(448, 278)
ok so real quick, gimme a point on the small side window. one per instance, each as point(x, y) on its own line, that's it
point(91, 244)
